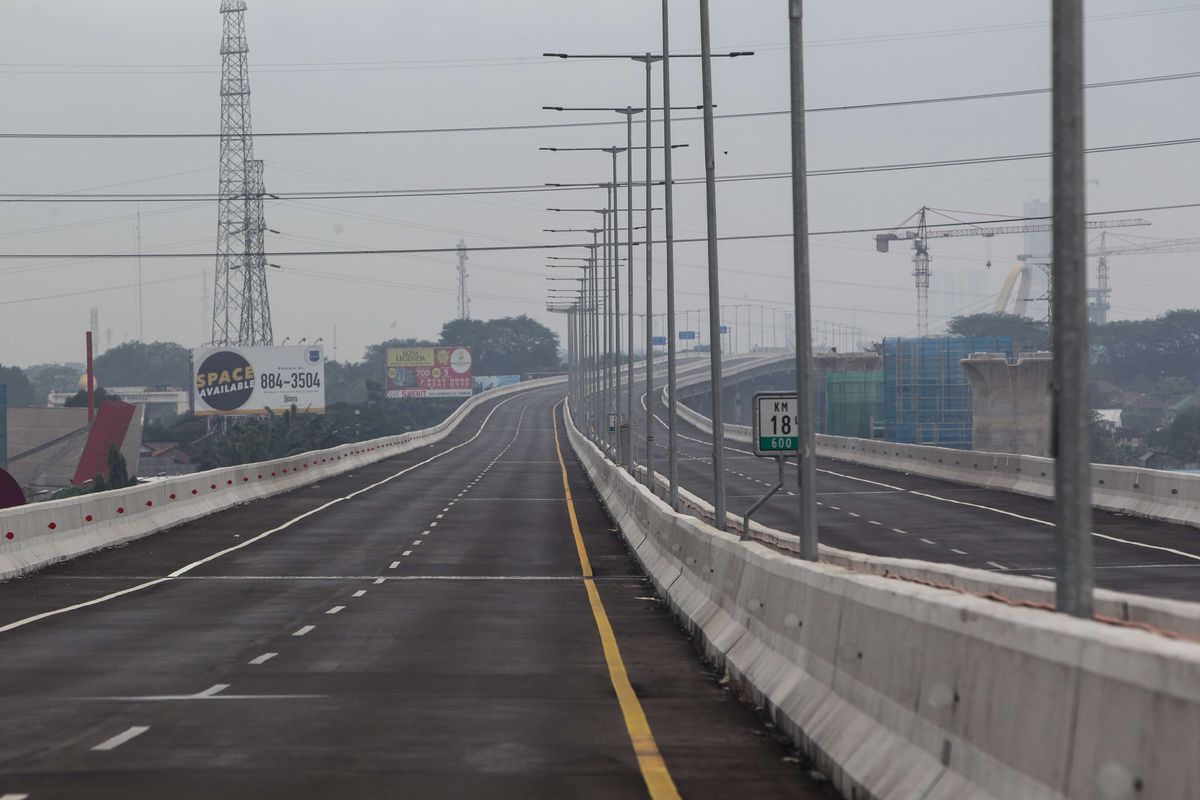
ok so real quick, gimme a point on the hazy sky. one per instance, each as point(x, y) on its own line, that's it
point(137, 66)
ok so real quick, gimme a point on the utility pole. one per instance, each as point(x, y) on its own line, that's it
point(807, 445)
point(241, 309)
point(140, 319)
point(464, 301)
point(714, 281)
point(1072, 468)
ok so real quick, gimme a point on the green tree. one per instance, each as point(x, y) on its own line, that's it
point(20, 390)
point(145, 364)
point(1150, 349)
point(79, 399)
point(47, 378)
point(1183, 435)
point(1027, 334)
point(505, 346)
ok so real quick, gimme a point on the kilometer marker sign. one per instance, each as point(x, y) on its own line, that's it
point(776, 423)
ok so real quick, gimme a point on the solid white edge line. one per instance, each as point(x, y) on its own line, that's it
point(122, 738)
point(188, 568)
point(1181, 553)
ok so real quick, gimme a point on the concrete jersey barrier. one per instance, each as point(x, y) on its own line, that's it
point(1154, 494)
point(900, 690)
point(39, 534)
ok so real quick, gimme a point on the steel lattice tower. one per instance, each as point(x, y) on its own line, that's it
point(464, 299)
point(241, 309)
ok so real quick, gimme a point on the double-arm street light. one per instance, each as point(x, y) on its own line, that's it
point(612, 375)
point(718, 427)
point(628, 150)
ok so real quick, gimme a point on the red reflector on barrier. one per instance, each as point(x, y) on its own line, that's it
point(9, 535)
point(172, 497)
point(212, 486)
point(194, 491)
point(149, 503)
point(120, 510)
point(88, 518)
point(52, 525)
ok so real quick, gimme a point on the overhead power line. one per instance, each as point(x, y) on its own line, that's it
point(466, 191)
point(558, 125)
point(566, 246)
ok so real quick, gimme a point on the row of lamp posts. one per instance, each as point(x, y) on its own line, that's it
point(594, 341)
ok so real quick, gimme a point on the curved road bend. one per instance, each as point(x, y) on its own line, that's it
point(886, 513)
point(433, 636)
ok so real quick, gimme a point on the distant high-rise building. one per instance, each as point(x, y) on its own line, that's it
point(1038, 247)
point(957, 293)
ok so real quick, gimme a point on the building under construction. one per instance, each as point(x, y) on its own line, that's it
point(927, 398)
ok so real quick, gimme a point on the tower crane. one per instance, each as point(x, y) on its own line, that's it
point(1099, 297)
point(921, 235)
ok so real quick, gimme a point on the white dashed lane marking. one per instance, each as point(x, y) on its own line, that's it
point(122, 738)
point(395, 564)
point(336, 610)
point(899, 530)
point(303, 631)
point(378, 581)
point(997, 566)
point(405, 553)
point(360, 592)
point(264, 658)
point(928, 541)
point(956, 550)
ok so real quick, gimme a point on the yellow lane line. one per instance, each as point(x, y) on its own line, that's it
point(579, 548)
point(650, 760)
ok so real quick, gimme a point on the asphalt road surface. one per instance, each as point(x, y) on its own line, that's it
point(434, 625)
point(886, 513)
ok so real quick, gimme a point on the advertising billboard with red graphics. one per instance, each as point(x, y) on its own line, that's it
point(429, 372)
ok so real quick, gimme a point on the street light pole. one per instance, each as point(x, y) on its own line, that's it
point(714, 283)
point(1072, 468)
point(807, 450)
point(669, 222)
point(650, 479)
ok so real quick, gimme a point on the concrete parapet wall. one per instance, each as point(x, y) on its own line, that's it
point(36, 535)
point(1155, 494)
point(900, 690)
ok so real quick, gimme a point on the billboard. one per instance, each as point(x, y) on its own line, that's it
point(429, 372)
point(239, 381)
point(485, 382)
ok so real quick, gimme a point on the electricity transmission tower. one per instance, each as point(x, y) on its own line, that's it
point(464, 300)
point(241, 309)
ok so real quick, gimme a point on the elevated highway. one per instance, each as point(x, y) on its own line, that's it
point(457, 620)
point(907, 515)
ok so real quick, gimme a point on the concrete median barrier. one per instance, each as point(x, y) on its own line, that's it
point(898, 689)
point(36, 535)
point(1154, 494)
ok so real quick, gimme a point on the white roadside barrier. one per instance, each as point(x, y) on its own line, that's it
point(900, 690)
point(39, 534)
point(1151, 493)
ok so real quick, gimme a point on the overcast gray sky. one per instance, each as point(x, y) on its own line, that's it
point(142, 65)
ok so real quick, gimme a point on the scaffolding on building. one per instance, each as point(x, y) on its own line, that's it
point(927, 398)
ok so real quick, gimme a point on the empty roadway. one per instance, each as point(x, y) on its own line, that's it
point(904, 515)
point(436, 635)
